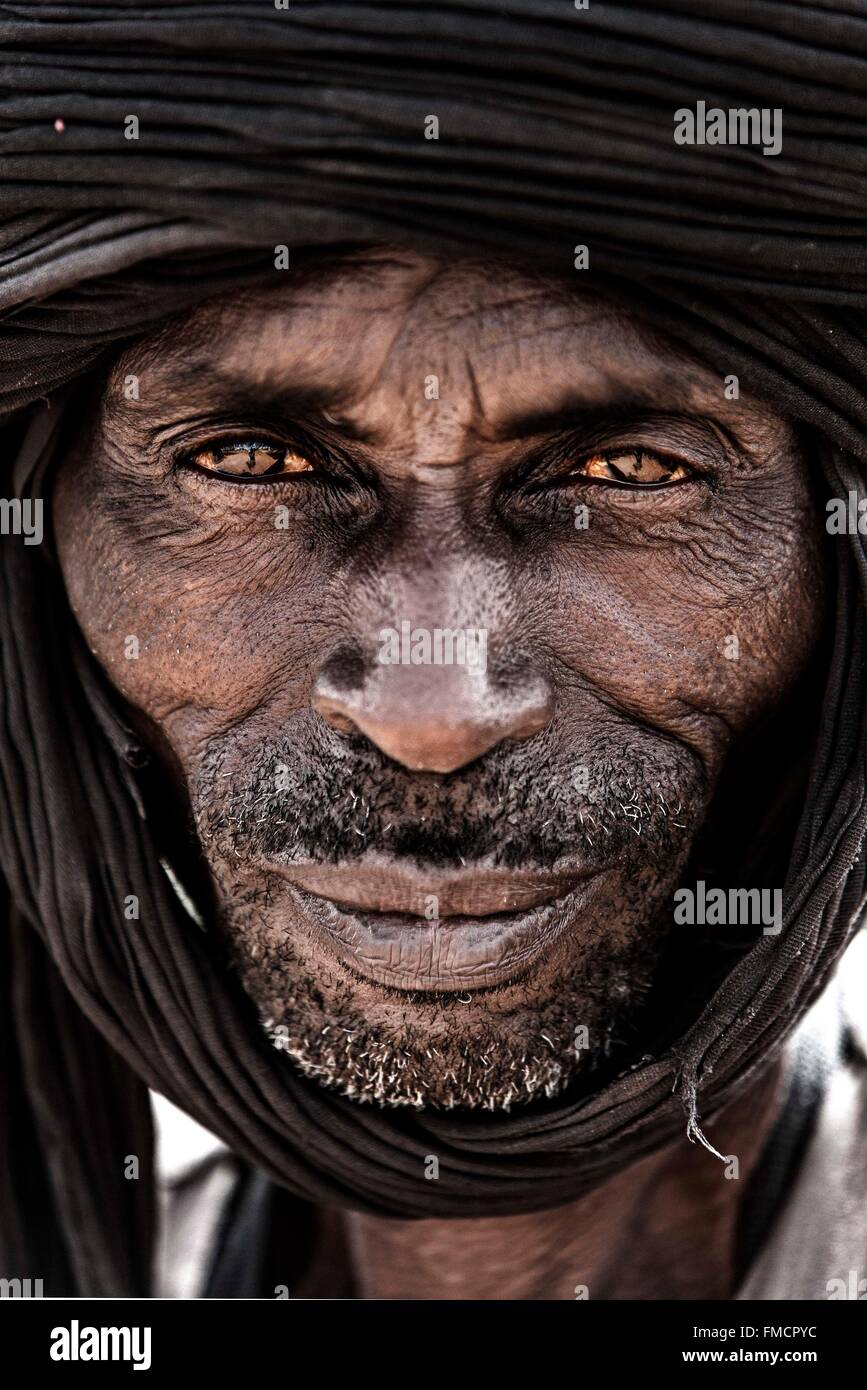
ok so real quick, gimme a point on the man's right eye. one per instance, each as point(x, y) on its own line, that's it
point(247, 460)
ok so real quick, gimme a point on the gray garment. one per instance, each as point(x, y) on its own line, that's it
point(817, 1248)
point(196, 1176)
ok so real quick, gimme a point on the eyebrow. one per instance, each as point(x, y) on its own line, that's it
point(576, 414)
point(292, 399)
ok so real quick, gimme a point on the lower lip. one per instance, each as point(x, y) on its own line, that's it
point(451, 955)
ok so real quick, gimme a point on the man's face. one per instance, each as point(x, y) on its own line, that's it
point(443, 591)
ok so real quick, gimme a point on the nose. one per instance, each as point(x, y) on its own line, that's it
point(431, 718)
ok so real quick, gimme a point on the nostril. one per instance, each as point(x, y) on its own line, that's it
point(510, 673)
point(336, 717)
point(344, 669)
point(338, 686)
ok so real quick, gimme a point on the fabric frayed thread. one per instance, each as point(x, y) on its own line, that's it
point(689, 1088)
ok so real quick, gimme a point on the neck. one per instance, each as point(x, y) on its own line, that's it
point(665, 1227)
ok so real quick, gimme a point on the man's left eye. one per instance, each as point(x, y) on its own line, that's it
point(637, 467)
point(243, 460)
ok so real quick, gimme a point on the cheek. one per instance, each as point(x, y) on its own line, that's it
point(702, 632)
point(196, 625)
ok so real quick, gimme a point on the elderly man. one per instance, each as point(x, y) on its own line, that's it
point(434, 760)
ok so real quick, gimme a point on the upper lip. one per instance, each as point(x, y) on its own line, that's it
point(378, 884)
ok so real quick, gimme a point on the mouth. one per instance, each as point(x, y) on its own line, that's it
point(446, 931)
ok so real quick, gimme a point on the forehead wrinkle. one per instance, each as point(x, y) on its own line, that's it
point(500, 308)
point(247, 313)
point(631, 343)
point(635, 369)
point(536, 384)
point(362, 372)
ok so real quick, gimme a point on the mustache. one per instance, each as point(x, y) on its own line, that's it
point(611, 800)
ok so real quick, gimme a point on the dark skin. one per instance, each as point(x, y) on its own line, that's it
point(390, 439)
point(663, 1228)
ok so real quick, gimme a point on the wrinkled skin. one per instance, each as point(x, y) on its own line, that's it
point(595, 736)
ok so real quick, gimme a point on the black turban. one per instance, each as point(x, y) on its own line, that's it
point(257, 127)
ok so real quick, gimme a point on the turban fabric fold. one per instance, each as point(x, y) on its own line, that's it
point(258, 127)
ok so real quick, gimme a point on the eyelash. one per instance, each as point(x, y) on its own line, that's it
point(560, 472)
point(224, 445)
point(640, 453)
